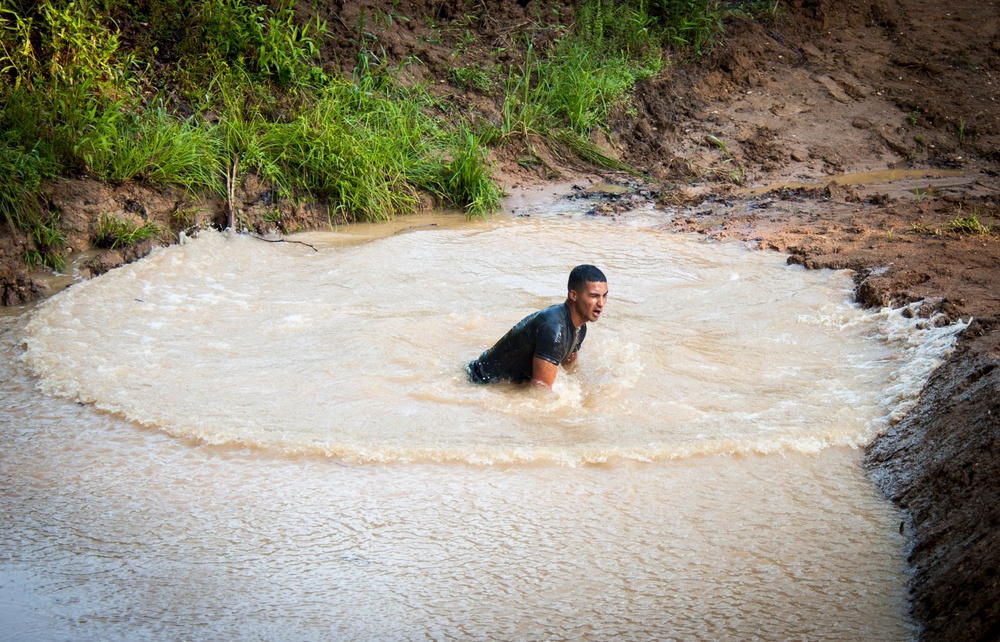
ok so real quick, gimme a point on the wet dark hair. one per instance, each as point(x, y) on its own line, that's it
point(585, 274)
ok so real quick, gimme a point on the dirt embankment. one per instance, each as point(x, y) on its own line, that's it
point(860, 134)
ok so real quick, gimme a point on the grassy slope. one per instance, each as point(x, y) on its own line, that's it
point(204, 94)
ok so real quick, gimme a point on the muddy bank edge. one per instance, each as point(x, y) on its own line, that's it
point(941, 464)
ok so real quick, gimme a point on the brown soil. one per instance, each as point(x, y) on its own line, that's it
point(753, 142)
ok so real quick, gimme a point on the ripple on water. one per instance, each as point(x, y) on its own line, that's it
point(357, 351)
point(117, 533)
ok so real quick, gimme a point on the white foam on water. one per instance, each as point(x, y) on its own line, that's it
point(357, 352)
point(114, 532)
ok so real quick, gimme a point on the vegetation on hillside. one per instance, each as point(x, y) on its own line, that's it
point(197, 93)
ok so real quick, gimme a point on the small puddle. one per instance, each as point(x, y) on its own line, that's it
point(925, 178)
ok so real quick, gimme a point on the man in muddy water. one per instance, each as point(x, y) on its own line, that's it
point(534, 349)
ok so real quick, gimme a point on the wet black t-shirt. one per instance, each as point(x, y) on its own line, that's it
point(548, 334)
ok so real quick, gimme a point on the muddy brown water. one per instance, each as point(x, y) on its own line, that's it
point(233, 438)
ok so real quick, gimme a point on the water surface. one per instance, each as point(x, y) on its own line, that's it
point(280, 443)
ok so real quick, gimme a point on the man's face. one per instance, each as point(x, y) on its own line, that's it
point(589, 300)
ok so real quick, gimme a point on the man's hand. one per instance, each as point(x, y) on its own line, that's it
point(543, 373)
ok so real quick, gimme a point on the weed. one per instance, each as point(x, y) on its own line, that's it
point(530, 162)
point(727, 170)
point(466, 180)
point(158, 148)
point(718, 143)
point(690, 24)
point(185, 218)
point(919, 227)
point(914, 116)
point(961, 131)
point(17, 52)
point(523, 111)
point(965, 60)
point(473, 77)
point(465, 41)
point(585, 149)
point(737, 174)
point(763, 10)
point(113, 232)
point(264, 41)
point(21, 173)
point(970, 224)
point(919, 193)
point(48, 243)
point(35, 259)
point(734, 173)
point(587, 72)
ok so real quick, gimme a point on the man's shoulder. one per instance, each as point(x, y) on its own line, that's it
point(551, 320)
point(557, 313)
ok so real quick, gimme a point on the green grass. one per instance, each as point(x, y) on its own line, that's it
point(464, 179)
point(474, 77)
point(970, 224)
point(21, 174)
point(113, 232)
point(210, 90)
point(159, 149)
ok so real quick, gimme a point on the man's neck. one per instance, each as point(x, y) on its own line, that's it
point(577, 321)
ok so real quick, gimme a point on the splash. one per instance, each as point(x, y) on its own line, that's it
point(357, 351)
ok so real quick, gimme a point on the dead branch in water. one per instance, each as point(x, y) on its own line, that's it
point(261, 238)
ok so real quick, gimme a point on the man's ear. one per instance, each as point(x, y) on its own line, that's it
point(573, 295)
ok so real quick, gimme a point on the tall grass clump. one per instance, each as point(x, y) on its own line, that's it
point(113, 232)
point(159, 149)
point(567, 92)
point(21, 174)
point(267, 42)
point(463, 177)
point(341, 149)
point(63, 79)
point(611, 48)
point(67, 79)
point(692, 25)
point(367, 148)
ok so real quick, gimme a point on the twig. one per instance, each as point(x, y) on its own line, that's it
point(231, 189)
point(261, 238)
